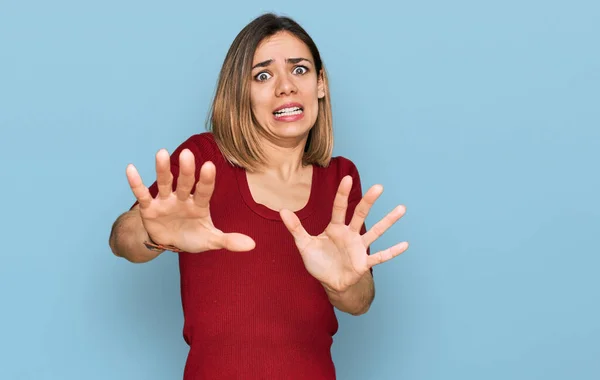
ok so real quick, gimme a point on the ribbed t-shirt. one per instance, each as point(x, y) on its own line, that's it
point(258, 314)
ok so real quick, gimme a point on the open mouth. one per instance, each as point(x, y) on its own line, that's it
point(289, 111)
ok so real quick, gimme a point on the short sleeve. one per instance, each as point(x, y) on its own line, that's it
point(202, 151)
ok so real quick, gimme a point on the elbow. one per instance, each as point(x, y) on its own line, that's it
point(112, 246)
point(359, 312)
point(137, 259)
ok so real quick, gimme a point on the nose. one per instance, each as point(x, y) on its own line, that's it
point(285, 86)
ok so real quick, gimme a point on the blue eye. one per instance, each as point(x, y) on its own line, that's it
point(262, 76)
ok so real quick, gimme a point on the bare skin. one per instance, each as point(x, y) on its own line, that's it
point(178, 218)
point(283, 75)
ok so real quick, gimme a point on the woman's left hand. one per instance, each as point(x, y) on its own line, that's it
point(338, 257)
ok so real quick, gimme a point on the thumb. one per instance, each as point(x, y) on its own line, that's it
point(236, 242)
point(294, 225)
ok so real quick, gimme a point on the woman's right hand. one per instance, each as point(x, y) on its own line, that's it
point(179, 218)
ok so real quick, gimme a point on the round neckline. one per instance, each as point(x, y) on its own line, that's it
point(269, 213)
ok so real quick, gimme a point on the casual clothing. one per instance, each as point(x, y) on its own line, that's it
point(258, 314)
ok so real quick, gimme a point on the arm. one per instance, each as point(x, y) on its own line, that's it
point(340, 256)
point(357, 299)
point(128, 234)
point(127, 238)
point(174, 211)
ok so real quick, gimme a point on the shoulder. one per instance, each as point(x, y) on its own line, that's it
point(203, 146)
point(203, 142)
point(338, 168)
point(341, 166)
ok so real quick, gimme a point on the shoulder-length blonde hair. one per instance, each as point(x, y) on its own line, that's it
point(232, 123)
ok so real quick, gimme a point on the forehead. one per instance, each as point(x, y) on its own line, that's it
point(281, 45)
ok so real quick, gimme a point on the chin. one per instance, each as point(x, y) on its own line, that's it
point(296, 129)
point(291, 130)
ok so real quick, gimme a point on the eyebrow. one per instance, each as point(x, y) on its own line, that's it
point(288, 60)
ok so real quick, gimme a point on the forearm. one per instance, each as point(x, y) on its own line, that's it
point(357, 299)
point(127, 238)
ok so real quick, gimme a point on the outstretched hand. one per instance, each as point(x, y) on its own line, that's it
point(338, 257)
point(176, 217)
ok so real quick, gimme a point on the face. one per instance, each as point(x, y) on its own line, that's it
point(285, 87)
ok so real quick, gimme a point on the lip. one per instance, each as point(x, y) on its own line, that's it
point(288, 105)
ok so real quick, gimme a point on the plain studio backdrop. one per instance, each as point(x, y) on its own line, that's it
point(483, 118)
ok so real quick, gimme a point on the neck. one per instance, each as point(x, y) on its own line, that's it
point(284, 161)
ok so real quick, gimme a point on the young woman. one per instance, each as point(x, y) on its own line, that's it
point(269, 227)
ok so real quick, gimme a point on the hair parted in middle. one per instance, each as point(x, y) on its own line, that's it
point(232, 123)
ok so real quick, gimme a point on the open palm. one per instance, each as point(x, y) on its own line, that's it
point(338, 256)
point(179, 218)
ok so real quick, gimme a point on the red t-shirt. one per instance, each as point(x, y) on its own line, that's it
point(258, 314)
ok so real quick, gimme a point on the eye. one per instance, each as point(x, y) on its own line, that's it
point(262, 76)
point(300, 70)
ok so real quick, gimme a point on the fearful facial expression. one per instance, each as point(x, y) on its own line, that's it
point(285, 87)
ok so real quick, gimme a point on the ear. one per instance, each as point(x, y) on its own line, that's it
point(321, 85)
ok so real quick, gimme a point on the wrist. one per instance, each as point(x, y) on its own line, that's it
point(157, 247)
point(337, 292)
point(354, 299)
point(342, 290)
point(151, 245)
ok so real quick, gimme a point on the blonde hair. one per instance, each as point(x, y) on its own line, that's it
point(232, 123)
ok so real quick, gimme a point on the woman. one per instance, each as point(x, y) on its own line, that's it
point(269, 227)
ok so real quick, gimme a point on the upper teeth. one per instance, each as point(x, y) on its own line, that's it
point(291, 109)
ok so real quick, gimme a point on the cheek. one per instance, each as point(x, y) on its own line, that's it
point(259, 98)
point(254, 96)
point(315, 108)
point(312, 100)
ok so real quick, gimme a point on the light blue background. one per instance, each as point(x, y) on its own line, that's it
point(483, 118)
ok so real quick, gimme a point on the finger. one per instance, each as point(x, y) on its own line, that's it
point(340, 203)
point(364, 206)
point(164, 178)
point(234, 242)
point(386, 255)
point(205, 185)
point(383, 225)
point(141, 192)
point(187, 171)
point(295, 227)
